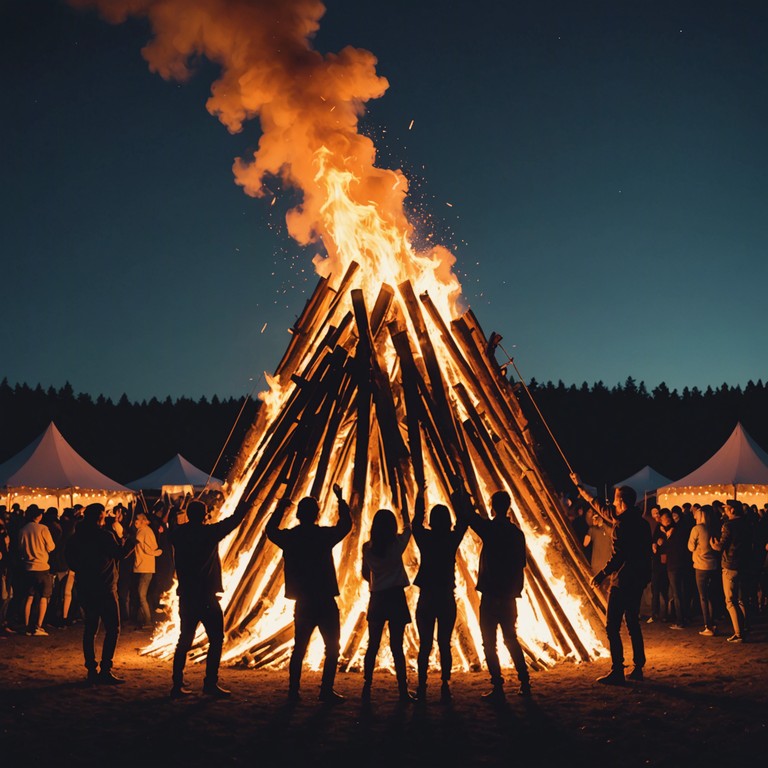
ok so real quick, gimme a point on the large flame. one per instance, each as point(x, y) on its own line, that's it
point(309, 106)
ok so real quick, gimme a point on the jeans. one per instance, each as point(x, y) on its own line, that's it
point(677, 594)
point(203, 609)
point(704, 584)
point(624, 603)
point(104, 609)
point(430, 610)
point(733, 601)
point(141, 582)
point(308, 614)
point(501, 612)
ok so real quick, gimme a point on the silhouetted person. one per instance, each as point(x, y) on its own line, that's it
point(436, 580)
point(94, 552)
point(198, 570)
point(500, 581)
point(310, 580)
point(630, 570)
point(384, 571)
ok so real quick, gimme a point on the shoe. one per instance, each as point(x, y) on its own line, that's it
point(524, 690)
point(636, 674)
point(421, 692)
point(495, 695)
point(294, 696)
point(38, 632)
point(406, 696)
point(216, 691)
point(180, 691)
point(735, 639)
point(366, 694)
point(650, 620)
point(707, 632)
point(92, 678)
point(330, 697)
point(675, 626)
point(9, 630)
point(446, 697)
point(612, 678)
point(107, 678)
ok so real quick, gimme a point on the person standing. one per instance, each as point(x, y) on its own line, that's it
point(436, 580)
point(384, 571)
point(706, 563)
point(500, 581)
point(735, 544)
point(94, 552)
point(599, 537)
point(198, 571)
point(35, 544)
point(630, 570)
point(310, 580)
point(144, 567)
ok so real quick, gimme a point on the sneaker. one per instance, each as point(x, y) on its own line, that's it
point(524, 690)
point(735, 639)
point(38, 632)
point(216, 691)
point(330, 697)
point(495, 695)
point(675, 626)
point(612, 678)
point(650, 620)
point(445, 693)
point(180, 691)
point(707, 632)
point(107, 678)
point(636, 674)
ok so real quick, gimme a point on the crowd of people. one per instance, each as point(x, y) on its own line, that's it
point(107, 568)
point(709, 564)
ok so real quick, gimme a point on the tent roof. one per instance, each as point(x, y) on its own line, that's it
point(177, 471)
point(740, 461)
point(645, 479)
point(51, 462)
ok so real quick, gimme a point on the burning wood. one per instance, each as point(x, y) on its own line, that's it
point(378, 402)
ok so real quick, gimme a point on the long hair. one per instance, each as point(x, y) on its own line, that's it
point(710, 521)
point(383, 531)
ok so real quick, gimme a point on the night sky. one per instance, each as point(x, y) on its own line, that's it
point(600, 170)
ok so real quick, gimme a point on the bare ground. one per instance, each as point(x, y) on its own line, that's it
point(704, 702)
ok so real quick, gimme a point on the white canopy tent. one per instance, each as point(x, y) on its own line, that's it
point(49, 472)
point(645, 482)
point(176, 476)
point(739, 470)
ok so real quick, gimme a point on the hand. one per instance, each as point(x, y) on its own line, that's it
point(118, 529)
point(337, 491)
point(575, 479)
point(597, 579)
point(284, 503)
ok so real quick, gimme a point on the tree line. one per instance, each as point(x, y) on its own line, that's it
point(608, 434)
point(605, 433)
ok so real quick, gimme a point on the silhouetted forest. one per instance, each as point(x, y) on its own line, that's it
point(126, 440)
point(606, 434)
point(609, 434)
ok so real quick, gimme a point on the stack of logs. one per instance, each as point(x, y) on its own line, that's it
point(373, 406)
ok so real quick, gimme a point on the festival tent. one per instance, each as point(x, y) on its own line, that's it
point(49, 472)
point(739, 470)
point(645, 482)
point(176, 476)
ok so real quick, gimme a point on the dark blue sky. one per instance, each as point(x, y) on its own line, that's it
point(600, 169)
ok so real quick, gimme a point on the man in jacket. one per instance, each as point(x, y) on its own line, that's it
point(735, 542)
point(310, 580)
point(630, 570)
point(94, 552)
point(500, 582)
point(198, 570)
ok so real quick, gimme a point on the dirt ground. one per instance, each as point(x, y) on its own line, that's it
point(704, 702)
